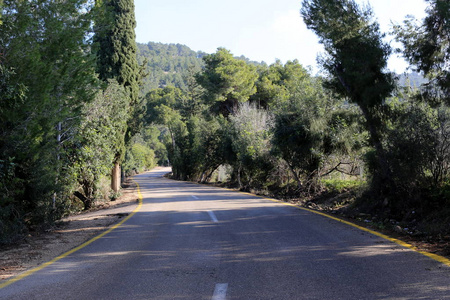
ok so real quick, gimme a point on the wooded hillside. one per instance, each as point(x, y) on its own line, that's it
point(168, 64)
point(171, 65)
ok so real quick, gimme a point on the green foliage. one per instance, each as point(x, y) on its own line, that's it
point(167, 65)
point(276, 82)
point(95, 146)
point(215, 146)
point(50, 78)
point(116, 50)
point(427, 46)
point(227, 81)
point(250, 141)
point(356, 61)
point(116, 46)
point(13, 95)
point(340, 186)
point(410, 142)
point(11, 189)
point(440, 165)
point(345, 135)
point(153, 137)
point(300, 126)
point(169, 96)
point(139, 158)
point(357, 55)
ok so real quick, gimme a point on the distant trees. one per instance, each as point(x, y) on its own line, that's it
point(167, 65)
point(264, 118)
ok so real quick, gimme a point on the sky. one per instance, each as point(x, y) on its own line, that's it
point(261, 30)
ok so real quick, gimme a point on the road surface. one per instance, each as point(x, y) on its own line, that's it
point(189, 241)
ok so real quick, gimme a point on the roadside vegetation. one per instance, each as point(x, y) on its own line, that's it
point(77, 113)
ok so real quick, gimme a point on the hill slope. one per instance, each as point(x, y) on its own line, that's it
point(167, 64)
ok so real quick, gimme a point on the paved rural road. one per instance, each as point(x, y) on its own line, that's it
point(195, 242)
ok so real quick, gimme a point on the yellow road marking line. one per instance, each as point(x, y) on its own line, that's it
point(34, 270)
point(433, 256)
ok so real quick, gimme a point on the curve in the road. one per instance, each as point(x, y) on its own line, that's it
point(436, 257)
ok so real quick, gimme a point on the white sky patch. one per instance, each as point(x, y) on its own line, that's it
point(284, 37)
point(295, 40)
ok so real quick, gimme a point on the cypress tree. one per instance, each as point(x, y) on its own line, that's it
point(115, 40)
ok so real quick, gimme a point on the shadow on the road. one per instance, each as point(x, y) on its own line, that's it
point(187, 237)
point(280, 255)
point(280, 245)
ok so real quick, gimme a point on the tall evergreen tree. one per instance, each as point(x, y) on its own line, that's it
point(356, 61)
point(115, 40)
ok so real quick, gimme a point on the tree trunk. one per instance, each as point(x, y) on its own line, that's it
point(208, 177)
point(115, 177)
point(203, 177)
point(299, 182)
point(58, 157)
point(384, 175)
point(239, 177)
point(86, 201)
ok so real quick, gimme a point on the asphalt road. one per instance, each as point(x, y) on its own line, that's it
point(194, 242)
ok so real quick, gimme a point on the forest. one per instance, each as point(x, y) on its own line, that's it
point(83, 106)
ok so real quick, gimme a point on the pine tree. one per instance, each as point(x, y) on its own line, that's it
point(227, 81)
point(356, 61)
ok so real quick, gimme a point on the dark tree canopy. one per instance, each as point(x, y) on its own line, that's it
point(356, 55)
